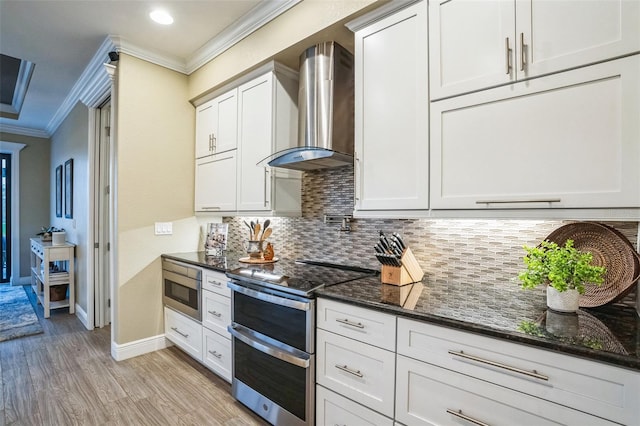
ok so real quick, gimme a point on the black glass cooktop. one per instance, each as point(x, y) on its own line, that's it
point(300, 277)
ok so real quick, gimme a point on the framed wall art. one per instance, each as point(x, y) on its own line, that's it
point(59, 191)
point(68, 188)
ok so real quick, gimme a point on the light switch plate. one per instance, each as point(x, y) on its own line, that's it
point(164, 228)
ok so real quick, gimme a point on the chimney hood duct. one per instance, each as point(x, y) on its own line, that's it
point(325, 111)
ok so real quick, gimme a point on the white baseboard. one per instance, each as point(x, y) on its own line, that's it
point(138, 347)
point(21, 281)
point(82, 316)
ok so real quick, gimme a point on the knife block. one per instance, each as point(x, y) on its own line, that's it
point(409, 272)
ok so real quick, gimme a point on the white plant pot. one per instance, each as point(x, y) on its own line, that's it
point(59, 238)
point(566, 301)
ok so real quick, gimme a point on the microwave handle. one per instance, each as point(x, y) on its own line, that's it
point(266, 297)
point(269, 349)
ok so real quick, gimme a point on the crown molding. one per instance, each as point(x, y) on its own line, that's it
point(92, 80)
point(167, 61)
point(250, 22)
point(377, 14)
point(24, 131)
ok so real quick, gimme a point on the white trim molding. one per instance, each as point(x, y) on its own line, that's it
point(24, 131)
point(139, 347)
point(82, 316)
point(14, 149)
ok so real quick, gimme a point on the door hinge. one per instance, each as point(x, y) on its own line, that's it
point(107, 189)
point(108, 130)
point(108, 246)
point(96, 245)
point(108, 303)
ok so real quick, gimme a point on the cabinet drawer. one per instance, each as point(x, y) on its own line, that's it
point(184, 332)
point(592, 387)
point(216, 282)
point(216, 312)
point(358, 371)
point(217, 353)
point(430, 395)
point(60, 253)
point(333, 409)
point(365, 325)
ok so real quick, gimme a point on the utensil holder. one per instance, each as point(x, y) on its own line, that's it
point(409, 272)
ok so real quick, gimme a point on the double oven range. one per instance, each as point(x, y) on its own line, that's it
point(273, 332)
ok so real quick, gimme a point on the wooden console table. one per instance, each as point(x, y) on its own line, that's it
point(43, 279)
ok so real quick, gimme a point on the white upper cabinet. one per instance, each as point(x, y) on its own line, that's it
point(268, 122)
point(217, 125)
point(391, 113)
point(569, 140)
point(479, 44)
point(215, 186)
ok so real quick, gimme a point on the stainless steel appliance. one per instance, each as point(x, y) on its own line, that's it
point(273, 331)
point(181, 284)
point(325, 111)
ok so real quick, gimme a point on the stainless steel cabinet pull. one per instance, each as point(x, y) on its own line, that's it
point(215, 141)
point(465, 417)
point(507, 50)
point(178, 331)
point(216, 283)
point(352, 324)
point(533, 373)
point(356, 373)
point(211, 208)
point(216, 354)
point(541, 200)
point(215, 314)
point(266, 179)
point(522, 54)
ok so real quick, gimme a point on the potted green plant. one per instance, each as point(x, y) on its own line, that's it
point(564, 269)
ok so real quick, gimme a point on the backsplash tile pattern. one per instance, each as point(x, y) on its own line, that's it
point(464, 250)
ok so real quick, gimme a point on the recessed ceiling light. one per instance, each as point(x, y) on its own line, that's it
point(161, 17)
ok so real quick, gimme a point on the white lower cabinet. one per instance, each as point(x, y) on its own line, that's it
point(216, 312)
point(217, 353)
point(333, 409)
point(552, 385)
point(431, 395)
point(184, 332)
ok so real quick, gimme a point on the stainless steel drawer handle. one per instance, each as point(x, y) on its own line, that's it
point(180, 333)
point(542, 200)
point(533, 373)
point(215, 354)
point(216, 283)
point(522, 52)
point(356, 373)
point(215, 314)
point(352, 324)
point(210, 208)
point(465, 417)
point(507, 55)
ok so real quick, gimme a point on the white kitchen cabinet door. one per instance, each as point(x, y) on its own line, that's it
point(569, 140)
point(561, 34)
point(267, 123)
point(217, 353)
point(215, 186)
point(391, 113)
point(216, 312)
point(216, 125)
point(255, 132)
point(476, 45)
point(185, 332)
point(333, 409)
point(471, 45)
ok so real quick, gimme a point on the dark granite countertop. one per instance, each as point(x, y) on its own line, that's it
point(609, 334)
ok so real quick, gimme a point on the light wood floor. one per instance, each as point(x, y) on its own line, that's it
point(67, 376)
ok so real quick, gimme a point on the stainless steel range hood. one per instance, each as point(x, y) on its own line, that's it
point(325, 111)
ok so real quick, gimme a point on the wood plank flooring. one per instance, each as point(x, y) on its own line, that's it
point(67, 376)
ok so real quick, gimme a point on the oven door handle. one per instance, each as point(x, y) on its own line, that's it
point(239, 333)
point(266, 297)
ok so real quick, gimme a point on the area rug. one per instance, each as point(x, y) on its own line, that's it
point(17, 317)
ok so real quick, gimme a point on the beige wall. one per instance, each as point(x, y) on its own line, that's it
point(154, 148)
point(70, 141)
point(285, 37)
point(34, 193)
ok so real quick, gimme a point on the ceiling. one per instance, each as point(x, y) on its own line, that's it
point(61, 37)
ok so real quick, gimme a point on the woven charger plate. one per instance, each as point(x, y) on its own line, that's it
point(611, 250)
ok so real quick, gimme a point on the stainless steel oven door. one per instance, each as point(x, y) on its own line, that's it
point(273, 379)
point(286, 318)
point(182, 293)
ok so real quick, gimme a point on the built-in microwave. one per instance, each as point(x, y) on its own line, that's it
point(181, 287)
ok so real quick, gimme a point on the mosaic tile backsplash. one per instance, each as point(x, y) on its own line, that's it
point(464, 250)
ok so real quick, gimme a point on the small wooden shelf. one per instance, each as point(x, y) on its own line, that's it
point(44, 253)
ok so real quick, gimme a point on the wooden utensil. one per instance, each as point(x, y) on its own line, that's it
point(266, 234)
point(256, 231)
point(265, 227)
